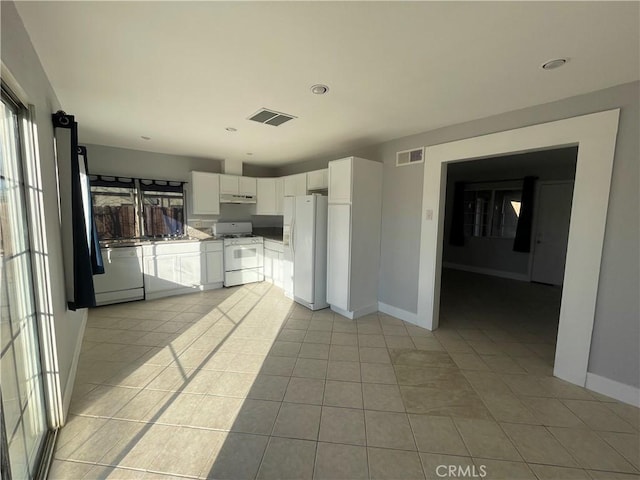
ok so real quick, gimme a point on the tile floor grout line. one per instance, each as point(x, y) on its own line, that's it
point(386, 334)
point(225, 337)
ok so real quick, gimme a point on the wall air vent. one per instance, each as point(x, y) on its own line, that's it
point(410, 157)
point(271, 117)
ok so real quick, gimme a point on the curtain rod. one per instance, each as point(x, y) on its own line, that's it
point(519, 179)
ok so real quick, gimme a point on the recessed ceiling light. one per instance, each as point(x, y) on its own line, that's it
point(555, 63)
point(144, 137)
point(319, 89)
point(231, 129)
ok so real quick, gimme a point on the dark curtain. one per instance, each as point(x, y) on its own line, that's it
point(97, 265)
point(522, 241)
point(87, 259)
point(456, 235)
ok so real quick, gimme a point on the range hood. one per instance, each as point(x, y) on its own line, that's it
point(233, 198)
point(234, 167)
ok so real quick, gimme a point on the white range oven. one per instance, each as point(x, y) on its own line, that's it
point(243, 253)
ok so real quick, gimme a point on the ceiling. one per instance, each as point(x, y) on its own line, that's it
point(181, 72)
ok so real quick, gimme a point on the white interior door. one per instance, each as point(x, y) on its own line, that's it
point(552, 232)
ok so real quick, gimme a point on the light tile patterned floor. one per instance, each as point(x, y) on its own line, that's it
point(241, 383)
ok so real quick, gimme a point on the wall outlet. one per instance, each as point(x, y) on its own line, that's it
point(429, 214)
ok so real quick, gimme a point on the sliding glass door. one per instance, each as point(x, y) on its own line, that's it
point(23, 406)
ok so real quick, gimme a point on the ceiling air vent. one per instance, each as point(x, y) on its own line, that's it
point(409, 157)
point(271, 117)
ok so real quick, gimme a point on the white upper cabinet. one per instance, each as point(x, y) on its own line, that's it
point(247, 186)
point(340, 174)
point(279, 196)
point(229, 184)
point(237, 185)
point(270, 196)
point(205, 193)
point(295, 185)
point(267, 202)
point(318, 179)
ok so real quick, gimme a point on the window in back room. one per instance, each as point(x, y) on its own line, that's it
point(491, 212)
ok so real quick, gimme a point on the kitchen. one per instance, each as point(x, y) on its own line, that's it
point(242, 381)
point(242, 229)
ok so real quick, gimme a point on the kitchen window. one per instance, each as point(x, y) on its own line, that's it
point(114, 207)
point(491, 212)
point(162, 208)
point(126, 208)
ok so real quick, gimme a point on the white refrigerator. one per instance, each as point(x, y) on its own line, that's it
point(305, 250)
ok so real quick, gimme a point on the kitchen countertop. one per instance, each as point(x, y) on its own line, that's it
point(142, 242)
point(269, 233)
point(273, 238)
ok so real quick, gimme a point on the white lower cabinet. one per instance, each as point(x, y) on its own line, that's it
point(160, 274)
point(182, 267)
point(339, 255)
point(273, 263)
point(190, 270)
point(279, 279)
point(214, 264)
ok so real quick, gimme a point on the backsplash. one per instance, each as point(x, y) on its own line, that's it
point(231, 212)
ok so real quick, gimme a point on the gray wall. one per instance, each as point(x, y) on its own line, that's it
point(615, 352)
point(140, 164)
point(19, 57)
point(259, 171)
point(493, 253)
point(159, 166)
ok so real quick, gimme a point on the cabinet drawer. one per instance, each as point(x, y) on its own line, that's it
point(212, 245)
point(174, 248)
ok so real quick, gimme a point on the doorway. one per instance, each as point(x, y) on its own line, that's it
point(496, 236)
point(595, 135)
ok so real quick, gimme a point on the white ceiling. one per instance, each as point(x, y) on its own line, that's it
point(180, 72)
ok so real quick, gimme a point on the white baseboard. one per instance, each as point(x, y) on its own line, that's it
point(399, 313)
point(523, 277)
point(611, 388)
point(356, 313)
point(68, 388)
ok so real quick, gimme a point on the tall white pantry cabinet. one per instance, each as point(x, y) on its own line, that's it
point(353, 236)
